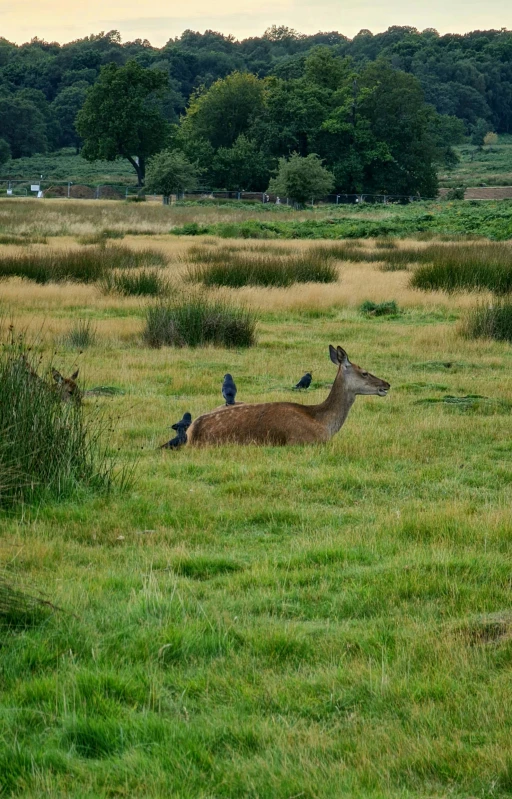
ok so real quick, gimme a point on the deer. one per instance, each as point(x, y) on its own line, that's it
point(288, 423)
point(66, 387)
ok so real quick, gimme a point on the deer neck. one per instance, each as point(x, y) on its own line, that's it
point(334, 410)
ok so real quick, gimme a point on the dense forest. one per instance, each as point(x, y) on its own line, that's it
point(295, 93)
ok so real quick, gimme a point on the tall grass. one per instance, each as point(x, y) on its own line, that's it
point(82, 334)
point(234, 268)
point(48, 449)
point(490, 321)
point(143, 283)
point(87, 265)
point(464, 267)
point(196, 321)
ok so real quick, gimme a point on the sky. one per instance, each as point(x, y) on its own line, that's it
point(161, 20)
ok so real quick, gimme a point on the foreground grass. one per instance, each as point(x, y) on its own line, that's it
point(319, 621)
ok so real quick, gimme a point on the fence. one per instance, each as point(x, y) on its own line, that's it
point(87, 191)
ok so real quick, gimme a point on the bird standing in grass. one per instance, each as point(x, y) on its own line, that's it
point(181, 428)
point(304, 382)
point(229, 390)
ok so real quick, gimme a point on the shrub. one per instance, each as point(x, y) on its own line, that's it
point(145, 283)
point(84, 266)
point(370, 308)
point(490, 321)
point(457, 193)
point(225, 267)
point(47, 449)
point(196, 321)
point(81, 335)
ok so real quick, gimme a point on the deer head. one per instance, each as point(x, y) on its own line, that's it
point(355, 379)
point(66, 386)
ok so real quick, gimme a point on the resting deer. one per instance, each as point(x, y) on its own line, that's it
point(66, 387)
point(280, 423)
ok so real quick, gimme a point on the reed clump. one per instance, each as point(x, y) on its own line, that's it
point(48, 449)
point(490, 321)
point(142, 283)
point(234, 268)
point(81, 335)
point(87, 265)
point(197, 321)
point(465, 267)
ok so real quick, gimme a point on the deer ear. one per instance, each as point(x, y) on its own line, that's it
point(75, 375)
point(342, 356)
point(57, 376)
point(333, 354)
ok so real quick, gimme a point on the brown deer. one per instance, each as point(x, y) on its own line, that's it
point(281, 423)
point(65, 387)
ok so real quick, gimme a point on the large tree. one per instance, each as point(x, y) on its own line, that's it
point(122, 116)
point(301, 179)
point(22, 125)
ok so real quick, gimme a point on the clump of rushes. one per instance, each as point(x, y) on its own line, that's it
point(47, 448)
point(465, 268)
point(369, 308)
point(197, 321)
point(83, 266)
point(490, 321)
point(100, 237)
point(81, 335)
point(144, 283)
point(236, 268)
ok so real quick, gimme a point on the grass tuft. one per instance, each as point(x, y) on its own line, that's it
point(48, 449)
point(83, 266)
point(369, 308)
point(234, 268)
point(144, 283)
point(490, 321)
point(81, 335)
point(463, 267)
point(196, 321)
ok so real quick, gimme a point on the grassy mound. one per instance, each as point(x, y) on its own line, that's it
point(196, 321)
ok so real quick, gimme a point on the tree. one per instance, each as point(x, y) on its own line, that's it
point(66, 106)
point(122, 117)
point(5, 152)
point(170, 172)
point(478, 133)
point(23, 126)
point(240, 167)
point(490, 138)
point(225, 111)
point(301, 179)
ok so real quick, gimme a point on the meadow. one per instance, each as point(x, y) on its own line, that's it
point(321, 621)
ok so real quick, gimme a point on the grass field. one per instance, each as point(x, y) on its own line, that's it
point(322, 621)
point(492, 165)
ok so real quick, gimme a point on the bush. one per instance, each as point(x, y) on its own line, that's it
point(457, 193)
point(196, 321)
point(490, 321)
point(47, 449)
point(146, 283)
point(81, 335)
point(370, 308)
point(83, 266)
point(225, 267)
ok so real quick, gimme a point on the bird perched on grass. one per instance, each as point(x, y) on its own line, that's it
point(181, 428)
point(229, 390)
point(304, 382)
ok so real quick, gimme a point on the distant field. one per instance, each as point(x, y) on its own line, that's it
point(313, 622)
point(491, 165)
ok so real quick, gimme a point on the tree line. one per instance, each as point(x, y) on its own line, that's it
point(380, 110)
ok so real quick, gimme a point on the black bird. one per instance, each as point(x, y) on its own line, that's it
point(229, 390)
point(304, 382)
point(181, 428)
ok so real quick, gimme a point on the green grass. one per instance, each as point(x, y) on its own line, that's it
point(369, 308)
point(225, 267)
point(491, 166)
point(465, 268)
point(143, 283)
point(47, 446)
point(197, 321)
point(490, 321)
point(82, 334)
point(83, 266)
point(323, 621)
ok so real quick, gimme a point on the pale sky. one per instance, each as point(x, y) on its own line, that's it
point(159, 20)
